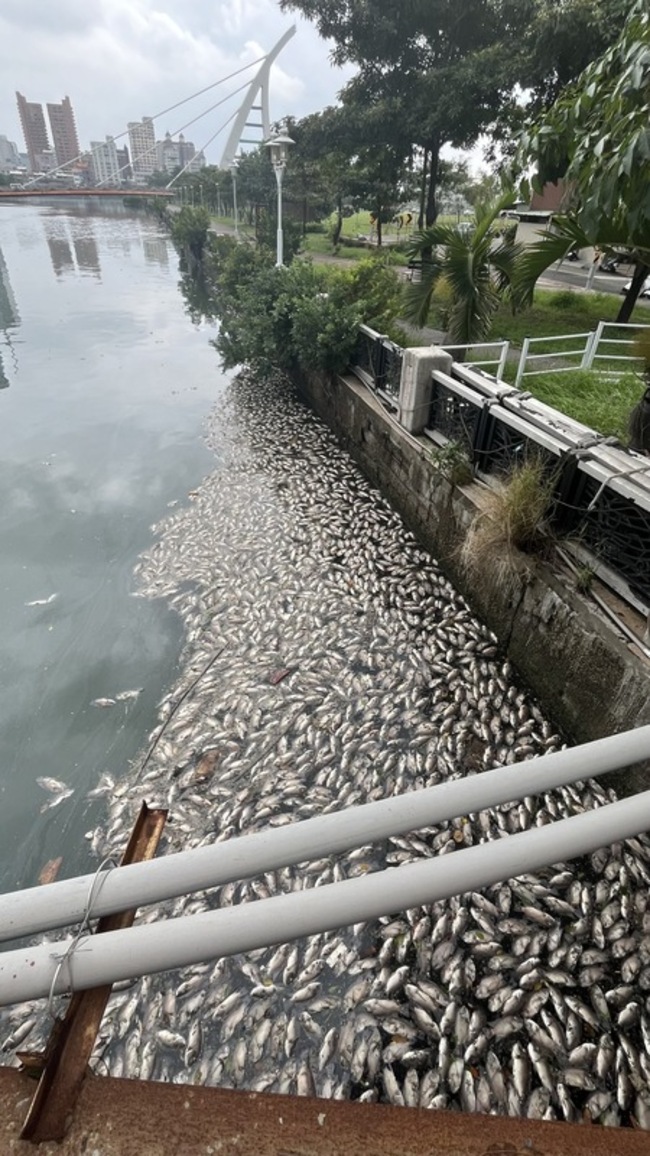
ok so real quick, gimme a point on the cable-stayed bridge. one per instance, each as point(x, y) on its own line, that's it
point(255, 102)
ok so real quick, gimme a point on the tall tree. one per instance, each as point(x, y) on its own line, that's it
point(597, 136)
point(447, 70)
point(322, 159)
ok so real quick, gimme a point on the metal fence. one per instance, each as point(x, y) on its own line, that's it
point(601, 491)
point(378, 362)
point(501, 348)
point(85, 961)
point(581, 341)
point(585, 350)
point(599, 348)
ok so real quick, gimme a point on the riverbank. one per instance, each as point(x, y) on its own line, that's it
point(592, 680)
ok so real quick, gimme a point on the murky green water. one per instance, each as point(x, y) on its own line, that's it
point(104, 383)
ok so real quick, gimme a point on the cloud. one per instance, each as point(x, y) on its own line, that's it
point(121, 59)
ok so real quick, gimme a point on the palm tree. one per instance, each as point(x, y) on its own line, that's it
point(477, 264)
point(567, 233)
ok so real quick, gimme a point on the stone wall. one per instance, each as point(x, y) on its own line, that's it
point(588, 678)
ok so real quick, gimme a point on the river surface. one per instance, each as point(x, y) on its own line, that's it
point(326, 661)
point(104, 384)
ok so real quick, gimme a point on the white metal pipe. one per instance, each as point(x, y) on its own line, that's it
point(32, 972)
point(38, 909)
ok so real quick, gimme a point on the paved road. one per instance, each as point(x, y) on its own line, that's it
point(575, 277)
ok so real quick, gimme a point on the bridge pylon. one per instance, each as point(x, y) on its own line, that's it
point(259, 85)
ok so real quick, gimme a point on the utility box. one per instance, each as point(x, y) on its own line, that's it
point(416, 386)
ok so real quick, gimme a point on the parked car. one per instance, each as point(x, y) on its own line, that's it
point(645, 289)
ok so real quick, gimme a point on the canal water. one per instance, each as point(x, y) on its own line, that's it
point(104, 384)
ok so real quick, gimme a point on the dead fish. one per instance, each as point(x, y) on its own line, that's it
point(103, 702)
point(206, 765)
point(50, 870)
point(42, 601)
point(278, 675)
point(124, 696)
point(54, 786)
point(57, 799)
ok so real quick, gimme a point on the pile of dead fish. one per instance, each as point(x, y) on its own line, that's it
point(328, 662)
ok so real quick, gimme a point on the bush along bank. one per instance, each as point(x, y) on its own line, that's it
point(296, 317)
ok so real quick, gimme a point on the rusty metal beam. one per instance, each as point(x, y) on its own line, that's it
point(72, 1039)
point(132, 1118)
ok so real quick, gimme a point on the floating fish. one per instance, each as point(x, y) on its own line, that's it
point(50, 870)
point(42, 601)
point(54, 786)
point(123, 696)
point(103, 702)
point(57, 799)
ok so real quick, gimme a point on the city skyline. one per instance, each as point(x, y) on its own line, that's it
point(132, 57)
point(105, 163)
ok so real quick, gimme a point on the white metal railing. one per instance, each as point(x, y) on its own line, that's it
point(500, 360)
point(588, 351)
point(552, 354)
point(38, 909)
point(600, 340)
point(77, 963)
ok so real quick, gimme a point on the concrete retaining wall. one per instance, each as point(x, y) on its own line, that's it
point(587, 677)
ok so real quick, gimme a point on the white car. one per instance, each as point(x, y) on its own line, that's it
point(645, 290)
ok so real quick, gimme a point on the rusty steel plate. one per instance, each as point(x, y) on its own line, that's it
point(132, 1118)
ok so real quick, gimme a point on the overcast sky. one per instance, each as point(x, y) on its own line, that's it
point(118, 60)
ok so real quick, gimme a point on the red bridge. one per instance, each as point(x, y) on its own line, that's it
point(12, 194)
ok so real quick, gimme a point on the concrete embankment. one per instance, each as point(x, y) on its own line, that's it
point(591, 679)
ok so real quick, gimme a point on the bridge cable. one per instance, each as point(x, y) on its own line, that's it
point(187, 124)
point(231, 76)
point(204, 147)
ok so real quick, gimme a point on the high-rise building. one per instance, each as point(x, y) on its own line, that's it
point(143, 149)
point(9, 155)
point(34, 128)
point(64, 131)
point(177, 154)
point(124, 162)
point(105, 163)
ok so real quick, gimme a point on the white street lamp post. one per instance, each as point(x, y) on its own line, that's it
point(279, 147)
point(233, 173)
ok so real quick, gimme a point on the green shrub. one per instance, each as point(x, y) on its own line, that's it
point(190, 230)
point(298, 316)
point(266, 234)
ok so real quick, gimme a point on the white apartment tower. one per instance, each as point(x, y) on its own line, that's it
point(106, 166)
point(143, 149)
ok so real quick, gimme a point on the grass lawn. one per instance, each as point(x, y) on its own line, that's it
point(601, 400)
point(597, 400)
point(318, 244)
point(244, 229)
point(560, 311)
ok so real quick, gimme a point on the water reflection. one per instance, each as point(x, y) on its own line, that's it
point(60, 255)
point(9, 319)
point(86, 253)
point(156, 251)
point(72, 245)
point(102, 435)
